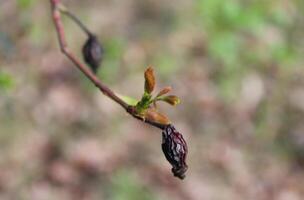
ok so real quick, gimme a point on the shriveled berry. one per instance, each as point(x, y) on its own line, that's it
point(175, 149)
point(92, 53)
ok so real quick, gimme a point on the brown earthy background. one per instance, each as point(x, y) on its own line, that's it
point(237, 66)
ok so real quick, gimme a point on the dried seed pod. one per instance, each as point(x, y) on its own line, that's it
point(175, 149)
point(92, 53)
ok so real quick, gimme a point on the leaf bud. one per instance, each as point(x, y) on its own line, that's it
point(153, 115)
point(149, 80)
point(165, 90)
point(171, 99)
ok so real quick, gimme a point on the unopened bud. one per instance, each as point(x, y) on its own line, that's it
point(153, 115)
point(171, 99)
point(149, 80)
point(175, 149)
point(164, 91)
point(92, 53)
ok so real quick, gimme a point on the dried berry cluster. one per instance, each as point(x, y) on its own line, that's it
point(175, 149)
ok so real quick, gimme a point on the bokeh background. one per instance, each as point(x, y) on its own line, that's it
point(237, 65)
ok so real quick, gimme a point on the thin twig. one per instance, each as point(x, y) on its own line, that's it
point(55, 4)
point(78, 22)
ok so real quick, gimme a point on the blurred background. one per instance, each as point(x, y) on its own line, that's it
point(237, 66)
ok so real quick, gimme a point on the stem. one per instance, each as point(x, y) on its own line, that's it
point(55, 6)
point(78, 22)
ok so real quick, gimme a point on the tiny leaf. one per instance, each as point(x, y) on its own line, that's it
point(144, 103)
point(129, 100)
point(149, 80)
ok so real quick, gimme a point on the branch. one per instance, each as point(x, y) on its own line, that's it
point(55, 6)
point(77, 21)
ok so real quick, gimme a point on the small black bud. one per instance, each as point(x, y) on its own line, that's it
point(175, 149)
point(92, 53)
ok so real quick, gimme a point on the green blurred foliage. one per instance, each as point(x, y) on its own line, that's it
point(24, 4)
point(166, 64)
point(114, 50)
point(126, 187)
point(6, 81)
point(229, 23)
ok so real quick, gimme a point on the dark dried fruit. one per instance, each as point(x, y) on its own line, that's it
point(92, 53)
point(175, 149)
